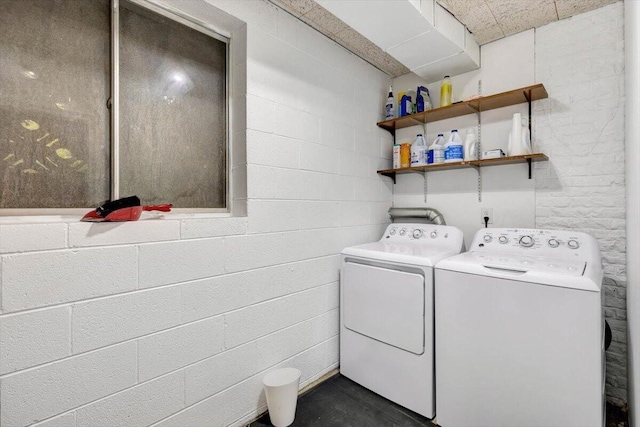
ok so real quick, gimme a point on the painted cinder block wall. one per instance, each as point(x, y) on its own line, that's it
point(176, 321)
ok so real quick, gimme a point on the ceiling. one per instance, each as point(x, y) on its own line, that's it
point(488, 20)
point(491, 20)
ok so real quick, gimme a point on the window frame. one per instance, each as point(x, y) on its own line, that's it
point(180, 17)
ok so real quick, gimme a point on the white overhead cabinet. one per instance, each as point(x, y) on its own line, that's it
point(420, 34)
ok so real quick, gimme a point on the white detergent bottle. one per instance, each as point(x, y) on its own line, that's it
point(470, 146)
point(419, 151)
point(454, 151)
point(435, 154)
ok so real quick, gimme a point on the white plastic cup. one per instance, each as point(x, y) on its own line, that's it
point(281, 390)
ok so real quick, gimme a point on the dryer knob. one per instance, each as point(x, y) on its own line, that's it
point(393, 231)
point(487, 238)
point(503, 239)
point(573, 244)
point(553, 243)
point(417, 233)
point(403, 232)
point(434, 234)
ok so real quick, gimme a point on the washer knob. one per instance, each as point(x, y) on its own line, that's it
point(573, 244)
point(503, 239)
point(487, 238)
point(434, 234)
point(526, 241)
point(553, 243)
point(403, 232)
point(417, 233)
point(393, 231)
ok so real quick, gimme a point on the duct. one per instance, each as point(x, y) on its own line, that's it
point(426, 215)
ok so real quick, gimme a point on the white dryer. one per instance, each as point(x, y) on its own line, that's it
point(519, 331)
point(386, 311)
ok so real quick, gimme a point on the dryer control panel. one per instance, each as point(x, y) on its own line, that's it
point(563, 244)
point(419, 233)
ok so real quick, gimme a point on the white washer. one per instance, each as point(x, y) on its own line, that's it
point(519, 331)
point(386, 310)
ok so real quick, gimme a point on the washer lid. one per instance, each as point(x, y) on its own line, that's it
point(422, 255)
point(540, 270)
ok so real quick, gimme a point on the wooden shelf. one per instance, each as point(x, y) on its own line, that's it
point(485, 103)
point(537, 157)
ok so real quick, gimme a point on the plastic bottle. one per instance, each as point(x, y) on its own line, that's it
point(436, 151)
point(454, 151)
point(419, 151)
point(445, 92)
point(423, 101)
point(405, 106)
point(470, 145)
point(390, 108)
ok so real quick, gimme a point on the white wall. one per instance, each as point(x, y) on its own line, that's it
point(176, 321)
point(581, 127)
point(580, 61)
point(506, 64)
point(632, 154)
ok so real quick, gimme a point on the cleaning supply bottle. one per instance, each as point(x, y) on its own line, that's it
point(445, 92)
point(405, 106)
point(390, 108)
point(436, 150)
point(519, 137)
point(423, 101)
point(470, 145)
point(453, 148)
point(412, 101)
point(419, 151)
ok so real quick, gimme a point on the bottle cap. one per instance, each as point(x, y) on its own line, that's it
point(454, 130)
point(446, 77)
point(419, 134)
point(441, 134)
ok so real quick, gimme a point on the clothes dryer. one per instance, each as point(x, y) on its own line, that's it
point(519, 331)
point(386, 312)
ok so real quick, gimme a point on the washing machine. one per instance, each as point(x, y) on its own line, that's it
point(519, 331)
point(386, 312)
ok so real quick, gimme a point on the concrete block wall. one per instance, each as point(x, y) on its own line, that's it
point(580, 126)
point(176, 321)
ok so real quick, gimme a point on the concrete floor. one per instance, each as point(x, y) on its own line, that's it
point(340, 402)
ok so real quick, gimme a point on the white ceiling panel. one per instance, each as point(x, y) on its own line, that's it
point(388, 24)
point(515, 16)
point(568, 8)
point(427, 48)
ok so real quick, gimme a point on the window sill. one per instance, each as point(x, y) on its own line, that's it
point(73, 218)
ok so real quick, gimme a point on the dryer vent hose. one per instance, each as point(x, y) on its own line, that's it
point(426, 215)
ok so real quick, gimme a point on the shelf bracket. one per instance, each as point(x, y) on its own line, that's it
point(391, 175)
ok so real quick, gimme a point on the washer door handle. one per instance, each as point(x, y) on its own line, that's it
point(505, 271)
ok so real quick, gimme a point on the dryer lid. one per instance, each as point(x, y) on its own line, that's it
point(420, 255)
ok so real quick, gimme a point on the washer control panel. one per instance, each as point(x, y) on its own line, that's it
point(552, 243)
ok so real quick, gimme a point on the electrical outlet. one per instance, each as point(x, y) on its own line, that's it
point(486, 212)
